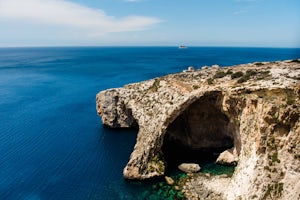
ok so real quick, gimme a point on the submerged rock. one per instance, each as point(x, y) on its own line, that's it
point(189, 167)
point(169, 180)
point(251, 108)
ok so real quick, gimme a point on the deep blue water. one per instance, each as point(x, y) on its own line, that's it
point(52, 143)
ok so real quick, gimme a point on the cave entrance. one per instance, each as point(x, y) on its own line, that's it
point(199, 134)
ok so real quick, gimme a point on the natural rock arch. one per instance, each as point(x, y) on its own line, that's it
point(200, 130)
point(261, 115)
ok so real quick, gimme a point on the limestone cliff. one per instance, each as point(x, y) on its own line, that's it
point(251, 109)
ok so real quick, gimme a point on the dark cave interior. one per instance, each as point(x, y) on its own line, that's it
point(199, 134)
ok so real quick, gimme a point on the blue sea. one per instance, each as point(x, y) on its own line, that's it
point(52, 143)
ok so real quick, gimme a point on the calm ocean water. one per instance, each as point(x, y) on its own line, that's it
point(52, 143)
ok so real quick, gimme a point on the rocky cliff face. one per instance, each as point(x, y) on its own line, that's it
point(252, 110)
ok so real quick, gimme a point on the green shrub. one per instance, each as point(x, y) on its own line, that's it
point(237, 75)
point(279, 188)
point(251, 72)
point(210, 81)
point(229, 72)
point(265, 72)
point(295, 61)
point(275, 157)
point(262, 75)
point(259, 64)
point(290, 101)
point(195, 87)
point(219, 74)
point(243, 79)
point(247, 76)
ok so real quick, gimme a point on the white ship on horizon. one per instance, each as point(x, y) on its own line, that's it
point(182, 47)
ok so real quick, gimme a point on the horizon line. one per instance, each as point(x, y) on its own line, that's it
point(120, 46)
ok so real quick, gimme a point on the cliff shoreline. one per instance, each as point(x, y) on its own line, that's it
point(251, 109)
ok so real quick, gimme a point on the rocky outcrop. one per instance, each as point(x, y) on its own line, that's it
point(113, 110)
point(189, 167)
point(228, 157)
point(169, 180)
point(251, 110)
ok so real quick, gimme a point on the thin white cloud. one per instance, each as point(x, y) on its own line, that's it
point(67, 14)
point(239, 12)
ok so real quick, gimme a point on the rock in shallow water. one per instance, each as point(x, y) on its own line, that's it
point(169, 180)
point(189, 167)
point(256, 114)
point(228, 157)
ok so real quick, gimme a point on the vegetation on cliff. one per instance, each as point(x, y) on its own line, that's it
point(250, 110)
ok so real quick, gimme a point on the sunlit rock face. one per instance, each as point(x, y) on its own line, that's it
point(249, 112)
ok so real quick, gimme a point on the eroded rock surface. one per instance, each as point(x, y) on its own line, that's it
point(228, 157)
point(252, 109)
point(189, 167)
point(169, 180)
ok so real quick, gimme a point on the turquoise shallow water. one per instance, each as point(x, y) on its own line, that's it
point(52, 143)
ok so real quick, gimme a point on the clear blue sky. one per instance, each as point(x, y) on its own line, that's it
point(261, 23)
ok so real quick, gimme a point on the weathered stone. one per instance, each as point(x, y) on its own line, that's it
point(191, 68)
point(257, 115)
point(189, 167)
point(215, 66)
point(113, 110)
point(228, 157)
point(223, 176)
point(169, 180)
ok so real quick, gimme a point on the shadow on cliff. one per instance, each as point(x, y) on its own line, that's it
point(176, 154)
point(199, 134)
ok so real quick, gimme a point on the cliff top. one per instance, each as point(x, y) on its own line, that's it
point(251, 76)
point(250, 111)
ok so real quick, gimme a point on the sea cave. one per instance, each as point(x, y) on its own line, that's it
point(200, 133)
